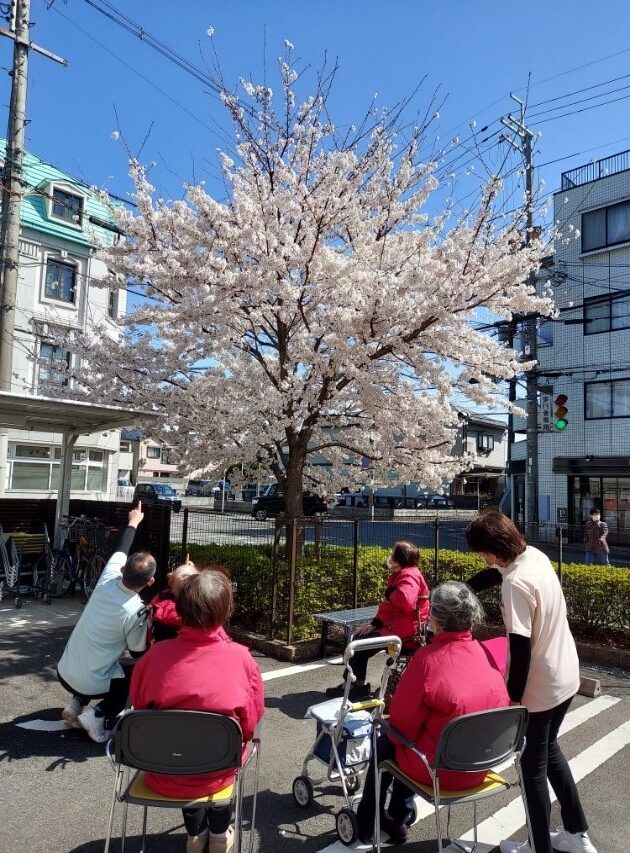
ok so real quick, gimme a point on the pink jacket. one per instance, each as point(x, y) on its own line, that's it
point(199, 671)
point(451, 676)
point(397, 612)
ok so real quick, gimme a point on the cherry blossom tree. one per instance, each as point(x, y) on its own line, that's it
point(319, 313)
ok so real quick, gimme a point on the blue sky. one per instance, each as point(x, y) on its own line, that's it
point(475, 52)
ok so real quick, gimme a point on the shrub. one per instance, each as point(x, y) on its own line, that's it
point(598, 597)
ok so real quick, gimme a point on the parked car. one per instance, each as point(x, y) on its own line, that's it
point(157, 493)
point(271, 503)
point(198, 488)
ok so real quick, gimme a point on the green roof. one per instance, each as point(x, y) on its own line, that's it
point(38, 175)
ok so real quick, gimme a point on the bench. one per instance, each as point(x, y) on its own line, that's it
point(348, 619)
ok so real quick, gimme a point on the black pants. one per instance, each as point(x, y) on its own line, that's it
point(543, 760)
point(401, 800)
point(112, 702)
point(360, 659)
point(217, 820)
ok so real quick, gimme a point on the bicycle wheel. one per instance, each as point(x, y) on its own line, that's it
point(61, 578)
point(92, 569)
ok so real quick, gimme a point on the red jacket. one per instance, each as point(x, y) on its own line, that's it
point(397, 612)
point(165, 620)
point(450, 677)
point(199, 671)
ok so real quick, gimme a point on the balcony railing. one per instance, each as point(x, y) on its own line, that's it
point(595, 170)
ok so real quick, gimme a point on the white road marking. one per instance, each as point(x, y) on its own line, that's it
point(511, 818)
point(43, 725)
point(572, 720)
point(300, 667)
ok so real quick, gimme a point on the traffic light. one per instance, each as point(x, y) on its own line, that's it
point(560, 420)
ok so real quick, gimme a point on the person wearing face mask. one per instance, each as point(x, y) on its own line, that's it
point(405, 598)
point(544, 675)
point(595, 539)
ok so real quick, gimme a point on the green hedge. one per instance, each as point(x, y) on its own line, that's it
point(598, 597)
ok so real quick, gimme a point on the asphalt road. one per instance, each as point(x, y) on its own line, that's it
point(240, 529)
point(56, 785)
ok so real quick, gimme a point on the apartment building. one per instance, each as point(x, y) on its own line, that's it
point(63, 221)
point(584, 360)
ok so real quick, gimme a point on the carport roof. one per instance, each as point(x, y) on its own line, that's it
point(48, 414)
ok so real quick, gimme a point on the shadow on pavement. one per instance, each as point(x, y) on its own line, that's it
point(295, 705)
point(66, 747)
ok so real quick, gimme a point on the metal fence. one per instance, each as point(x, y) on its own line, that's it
point(286, 571)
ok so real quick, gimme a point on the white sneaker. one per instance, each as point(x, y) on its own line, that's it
point(510, 846)
point(71, 712)
point(93, 725)
point(572, 842)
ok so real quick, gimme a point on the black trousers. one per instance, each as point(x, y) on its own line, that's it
point(401, 800)
point(112, 702)
point(217, 820)
point(359, 661)
point(543, 760)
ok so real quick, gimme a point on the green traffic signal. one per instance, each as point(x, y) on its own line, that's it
point(561, 422)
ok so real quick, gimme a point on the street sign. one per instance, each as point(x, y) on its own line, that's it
point(562, 514)
point(545, 412)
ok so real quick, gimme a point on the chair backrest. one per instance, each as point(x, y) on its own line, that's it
point(480, 741)
point(178, 743)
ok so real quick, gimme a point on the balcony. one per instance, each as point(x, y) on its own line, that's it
point(595, 170)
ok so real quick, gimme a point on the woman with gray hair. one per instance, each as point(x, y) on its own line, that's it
point(452, 676)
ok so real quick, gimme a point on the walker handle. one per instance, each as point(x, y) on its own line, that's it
point(390, 643)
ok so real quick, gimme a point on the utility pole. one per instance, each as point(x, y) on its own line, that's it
point(12, 189)
point(12, 181)
point(526, 137)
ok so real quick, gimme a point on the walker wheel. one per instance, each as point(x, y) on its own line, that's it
point(18, 603)
point(347, 827)
point(302, 791)
point(46, 598)
point(353, 783)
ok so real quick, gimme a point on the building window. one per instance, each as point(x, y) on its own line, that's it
point(485, 442)
point(166, 457)
point(125, 447)
point(154, 453)
point(61, 281)
point(67, 206)
point(54, 363)
point(606, 226)
point(607, 399)
point(112, 303)
point(545, 332)
point(36, 467)
point(606, 314)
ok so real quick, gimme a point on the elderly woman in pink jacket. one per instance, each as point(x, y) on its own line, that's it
point(405, 602)
point(452, 676)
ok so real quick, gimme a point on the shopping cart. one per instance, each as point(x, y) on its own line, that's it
point(345, 735)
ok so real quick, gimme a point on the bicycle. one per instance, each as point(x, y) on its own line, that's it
point(83, 564)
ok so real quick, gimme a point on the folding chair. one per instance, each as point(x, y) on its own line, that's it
point(177, 743)
point(10, 564)
point(470, 743)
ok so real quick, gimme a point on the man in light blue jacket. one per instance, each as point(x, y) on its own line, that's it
point(114, 620)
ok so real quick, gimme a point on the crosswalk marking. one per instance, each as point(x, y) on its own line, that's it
point(511, 818)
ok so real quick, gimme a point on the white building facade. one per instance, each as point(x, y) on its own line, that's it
point(63, 222)
point(586, 359)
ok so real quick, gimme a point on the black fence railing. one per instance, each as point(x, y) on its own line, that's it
point(285, 571)
point(595, 170)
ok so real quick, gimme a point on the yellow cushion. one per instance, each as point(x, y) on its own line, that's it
point(140, 790)
point(492, 782)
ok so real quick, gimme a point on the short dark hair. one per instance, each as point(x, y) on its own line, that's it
point(139, 570)
point(205, 600)
point(597, 510)
point(405, 554)
point(494, 533)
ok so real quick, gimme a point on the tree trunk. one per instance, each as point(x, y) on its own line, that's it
point(293, 498)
